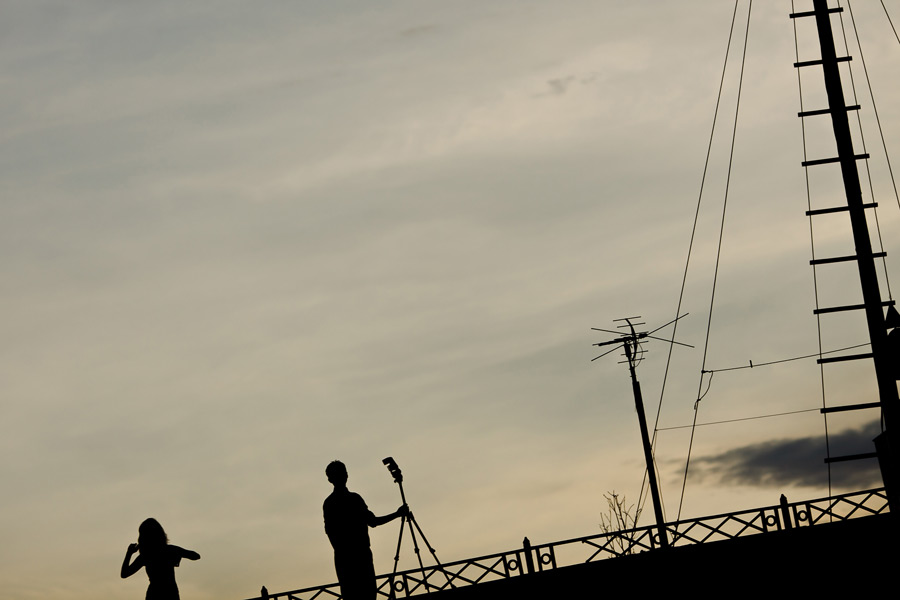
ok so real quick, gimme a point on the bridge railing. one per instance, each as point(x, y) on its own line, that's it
point(543, 557)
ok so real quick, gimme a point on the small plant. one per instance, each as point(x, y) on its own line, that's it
point(618, 522)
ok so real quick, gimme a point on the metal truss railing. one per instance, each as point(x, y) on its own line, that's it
point(543, 557)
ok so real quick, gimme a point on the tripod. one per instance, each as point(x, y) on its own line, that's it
point(413, 528)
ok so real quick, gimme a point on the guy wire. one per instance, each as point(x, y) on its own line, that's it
point(691, 243)
point(718, 250)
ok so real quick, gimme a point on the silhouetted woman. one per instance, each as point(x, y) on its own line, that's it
point(158, 558)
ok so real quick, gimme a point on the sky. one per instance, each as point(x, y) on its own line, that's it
point(243, 239)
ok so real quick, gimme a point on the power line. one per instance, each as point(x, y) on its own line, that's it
point(784, 360)
point(794, 412)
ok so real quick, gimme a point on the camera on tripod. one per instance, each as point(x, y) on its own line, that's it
point(394, 470)
point(408, 518)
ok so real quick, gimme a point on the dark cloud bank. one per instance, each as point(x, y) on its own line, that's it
point(797, 462)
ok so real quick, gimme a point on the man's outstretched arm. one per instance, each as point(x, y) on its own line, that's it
point(374, 521)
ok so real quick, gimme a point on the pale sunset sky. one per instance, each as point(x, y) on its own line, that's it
point(243, 239)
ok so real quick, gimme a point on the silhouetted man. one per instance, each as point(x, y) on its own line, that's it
point(347, 519)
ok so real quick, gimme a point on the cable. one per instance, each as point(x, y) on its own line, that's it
point(719, 248)
point(812, 244)
point(784, 360)
point(793, 412)
point(887, 156)
point(862, 136)
point(691, 243)
point(889, 20)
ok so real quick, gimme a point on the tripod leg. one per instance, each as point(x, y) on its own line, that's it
point(415, 542)
point(415, 523)
point(397, 556)
point(412, 532)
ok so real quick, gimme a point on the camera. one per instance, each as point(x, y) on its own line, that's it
point(392, 467)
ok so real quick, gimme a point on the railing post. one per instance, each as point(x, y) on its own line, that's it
point(785, 513)
point(529, 558)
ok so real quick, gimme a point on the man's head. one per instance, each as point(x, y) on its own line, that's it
point(336, 473)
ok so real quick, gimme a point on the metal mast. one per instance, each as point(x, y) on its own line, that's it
point(873, 305)
point(630, 348)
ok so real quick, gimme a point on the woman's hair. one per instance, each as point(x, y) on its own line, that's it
point(151, 537)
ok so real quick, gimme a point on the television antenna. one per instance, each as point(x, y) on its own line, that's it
point(630, 342)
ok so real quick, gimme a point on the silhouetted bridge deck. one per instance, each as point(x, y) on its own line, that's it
point(545, 566)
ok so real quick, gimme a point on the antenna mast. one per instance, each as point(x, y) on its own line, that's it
point(630, 343)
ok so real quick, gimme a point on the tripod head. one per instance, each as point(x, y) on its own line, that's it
point(394, 470)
